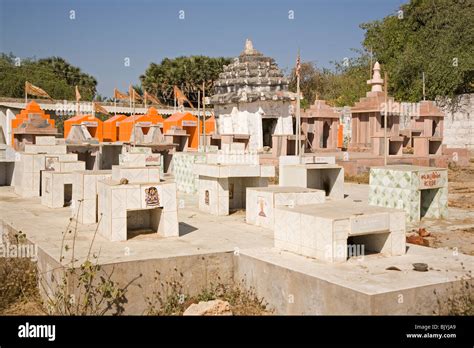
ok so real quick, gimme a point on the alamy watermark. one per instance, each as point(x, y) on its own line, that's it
point(9, 250)
point(401, 109)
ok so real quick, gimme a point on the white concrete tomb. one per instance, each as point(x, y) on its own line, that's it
point(137, 208)
point(85, 194)
point(222, 187)
point(261, 202)
point(327, 177)
point(337, 230)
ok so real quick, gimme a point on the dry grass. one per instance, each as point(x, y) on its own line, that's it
point(169, 298)
point(359, 178)
point(18, 282)
point(461, 186)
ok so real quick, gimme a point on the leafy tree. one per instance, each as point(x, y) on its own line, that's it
point(57, 77)
point(348, 81)
point(313, 83)
point(341, 85)
point(431, 36)
point(188, 73)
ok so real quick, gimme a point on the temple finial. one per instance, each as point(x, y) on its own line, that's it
point(376, 82)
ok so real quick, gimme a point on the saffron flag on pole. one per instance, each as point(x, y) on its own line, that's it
point(78, 94)
point(119, 95)
point(135, 95)
point(100, 108)
point(151, 98)
point(34, 90)
point(298, 64)
point(181, 97)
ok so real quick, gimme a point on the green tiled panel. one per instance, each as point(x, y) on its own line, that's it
point(400, 189)
point(183, 166)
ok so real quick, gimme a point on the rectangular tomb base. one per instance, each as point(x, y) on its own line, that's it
point(28, 167)
point(222, 188)
point(85, 194)
point(296, 285)
point(419, 191)
point(262, 201)
point(338, 230)
point(56, 189)
point(327, 177)
point(138, 208)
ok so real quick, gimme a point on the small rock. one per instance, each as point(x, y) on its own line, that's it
point(420, 267)
point(423, 232)
point(393, 268)
point(214, 307)
point(414, 239)
point(123, 181)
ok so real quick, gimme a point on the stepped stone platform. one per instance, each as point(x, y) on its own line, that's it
point(212, 249)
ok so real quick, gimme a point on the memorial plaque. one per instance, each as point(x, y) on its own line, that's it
point(153, 160)
point(430, 180)
point(151, 196)
point(189, 123)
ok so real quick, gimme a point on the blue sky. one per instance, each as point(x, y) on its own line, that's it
point(105, 32)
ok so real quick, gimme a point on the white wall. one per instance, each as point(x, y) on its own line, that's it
point(459, 125)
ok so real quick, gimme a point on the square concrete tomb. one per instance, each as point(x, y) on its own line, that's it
point(137, 208)
point(85, 194)
point(56, 189)
point(29, 168)
point(420, 191)
point(337, 230)
point(222, 187)
point(261, 202)
point(321, 176)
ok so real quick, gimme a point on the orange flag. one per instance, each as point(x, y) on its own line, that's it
point(100, 108)
point(181, 97)
point(151, 97)
point(135, 95)
point(119, 95)
point(33, 90)
point(78, 94)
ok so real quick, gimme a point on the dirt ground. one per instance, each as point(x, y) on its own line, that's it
point(461, 187)
point(457, 231)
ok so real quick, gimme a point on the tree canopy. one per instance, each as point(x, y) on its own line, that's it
point(341, 85)
point(431, 36)
point(55, 75)
point(188, 73)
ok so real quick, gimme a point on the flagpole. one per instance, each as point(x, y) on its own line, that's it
point(385, 147)
point(424, 95)
point(199, 118)
point(115, 106)
point(298, 118)
point(204, 114)
point(130, 95)
point(26, 96)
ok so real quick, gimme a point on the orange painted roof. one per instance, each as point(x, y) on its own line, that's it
point(33, 106)
point(179, 116)
point(135, 118)
point(76, 118)
point(83, 118)
point(154, 114)
point(115, 118)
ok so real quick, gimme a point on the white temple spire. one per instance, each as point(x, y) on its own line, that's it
point(376, 82)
